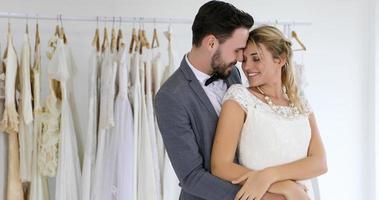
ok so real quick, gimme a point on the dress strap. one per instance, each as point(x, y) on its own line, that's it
point(239, 94)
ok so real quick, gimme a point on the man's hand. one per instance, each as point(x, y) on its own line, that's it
point(272, 196)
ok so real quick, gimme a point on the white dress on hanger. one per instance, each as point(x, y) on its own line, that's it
point(135, 99)
point(91, 137)
point(123, 138)
point(147, 180)
point(61, 68)
point(151, 127)
point(171, 188)
point(300, 78)
point(268, 139)
point(170, 68)
point(108, 90)
point(104, 168)
point(26, 112)
point(157, 76)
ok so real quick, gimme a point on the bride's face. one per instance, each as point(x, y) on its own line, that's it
point(259, 66)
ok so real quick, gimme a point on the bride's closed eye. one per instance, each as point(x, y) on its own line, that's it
point(256, 59)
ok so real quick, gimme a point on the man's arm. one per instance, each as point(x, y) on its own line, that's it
point(184, 153)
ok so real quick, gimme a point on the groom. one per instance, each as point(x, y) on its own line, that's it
point(188, 104)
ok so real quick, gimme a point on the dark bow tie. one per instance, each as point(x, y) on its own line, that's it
point(213, 78)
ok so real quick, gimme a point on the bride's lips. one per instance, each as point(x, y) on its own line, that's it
point(253, 74)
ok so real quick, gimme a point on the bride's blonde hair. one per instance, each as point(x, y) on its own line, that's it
point(275, 42)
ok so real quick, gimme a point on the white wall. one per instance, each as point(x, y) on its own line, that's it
point(377, 95)
point(371, 100)
point(338, 67)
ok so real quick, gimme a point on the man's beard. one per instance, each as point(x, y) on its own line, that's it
point(219, 66)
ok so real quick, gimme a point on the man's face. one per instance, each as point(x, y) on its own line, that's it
point(229, 52)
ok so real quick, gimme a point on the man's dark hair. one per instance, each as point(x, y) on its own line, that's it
point(220, 19)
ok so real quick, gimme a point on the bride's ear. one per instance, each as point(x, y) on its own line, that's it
point(281, 60)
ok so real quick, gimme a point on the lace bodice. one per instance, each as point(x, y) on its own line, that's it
point(267, 138)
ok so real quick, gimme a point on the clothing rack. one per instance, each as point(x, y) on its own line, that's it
point(119, 19)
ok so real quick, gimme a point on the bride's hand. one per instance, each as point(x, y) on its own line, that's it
point(256, 184)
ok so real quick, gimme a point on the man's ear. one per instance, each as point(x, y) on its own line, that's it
point(210, 42)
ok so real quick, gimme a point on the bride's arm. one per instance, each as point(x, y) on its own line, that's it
point(225, 144)
point(311, 166)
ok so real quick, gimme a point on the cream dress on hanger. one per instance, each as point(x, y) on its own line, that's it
point(62, 68)
point(156, 79)
point(9, 122)
point(26, 112)
point(3, 136)
point(49, 122)
point(38, 188)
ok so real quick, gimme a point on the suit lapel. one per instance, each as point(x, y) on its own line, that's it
point(234, 78)
point(196, 87)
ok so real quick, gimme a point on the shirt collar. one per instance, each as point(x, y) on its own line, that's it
point(201, 76)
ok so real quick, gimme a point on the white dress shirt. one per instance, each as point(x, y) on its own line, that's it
point(215, 91)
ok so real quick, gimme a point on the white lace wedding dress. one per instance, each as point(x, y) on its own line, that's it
point(268, 139)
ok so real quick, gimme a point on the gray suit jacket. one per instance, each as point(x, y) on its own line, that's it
point(187, 122)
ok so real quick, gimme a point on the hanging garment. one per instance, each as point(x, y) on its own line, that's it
point(61, 68)
point(170, 68)
point(267, 138)
point(104, 168)
point(156, 78)
point(38, 187)
point(117, 181)
point(147, 178)
point(25, 112)
point(107, 91)
point(49, 137)
point(91, 137)
point(10, 122)
point(3, 136)
point(171, 189)
point(300, 78)
point(151, 126)
point(50, 117)
point(135, 98)
point(157, 70)
point(3, 164)
point(124, 135)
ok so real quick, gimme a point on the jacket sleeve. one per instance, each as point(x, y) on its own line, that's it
point(183, 150)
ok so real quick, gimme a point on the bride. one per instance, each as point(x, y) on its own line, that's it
point(268, 125)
